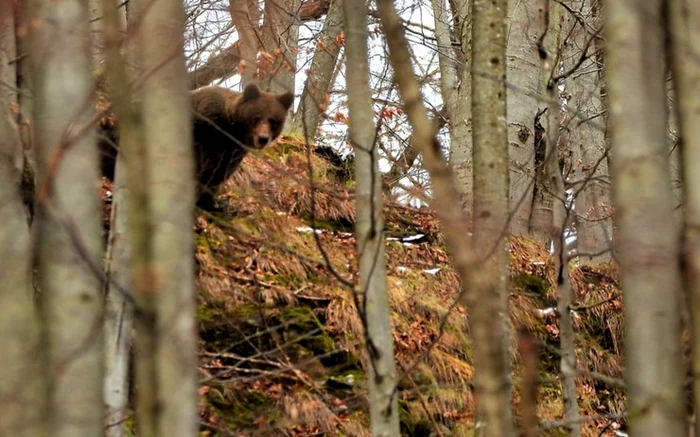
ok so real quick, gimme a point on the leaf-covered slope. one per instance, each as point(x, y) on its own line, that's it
point(281, 350)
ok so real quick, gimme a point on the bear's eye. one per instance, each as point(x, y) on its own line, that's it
point(274, 123)
point(256, 120)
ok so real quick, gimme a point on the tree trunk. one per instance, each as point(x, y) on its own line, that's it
point(684, 18)
point(280, 40)
point(586, 127)
point(68, 217)
point(22, 366)
point(8, 74)
point(118, 305)
point(642, 194)
point(171, 189)
point(369, 230)
point(314, 98)
point(461, 121)
point(446, 61)
point(552, 19)
point(245, 15)
point(541, 223)
point(490, 140)
point(523, 75)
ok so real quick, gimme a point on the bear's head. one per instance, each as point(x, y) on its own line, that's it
point(261, 115)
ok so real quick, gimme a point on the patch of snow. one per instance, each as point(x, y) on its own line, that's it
point(547, 311)
point(415, 237)
point(306, 230)
point(432, 271)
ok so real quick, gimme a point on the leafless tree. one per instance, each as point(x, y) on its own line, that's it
point(685, 42)
point(369, 229)
point(68, 217)
point(642, 192)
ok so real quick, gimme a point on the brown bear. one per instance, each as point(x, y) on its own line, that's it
point(226, 126)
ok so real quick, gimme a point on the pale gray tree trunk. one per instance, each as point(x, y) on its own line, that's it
point(491, 175)
point(488, 358)
point(280, 38)
point(541, 224)
point(170, 275)
point(245, 15)
point(369, 229)
point(641, 188)
point(22, 368)
point(118, 304)
point(446, 59)
point(523, 66)
point(586, 127)
point(461, 121)
point(68, 217)
point(320, 78)
point(684, 18)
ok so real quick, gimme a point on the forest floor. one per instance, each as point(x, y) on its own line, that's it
point(281, 343)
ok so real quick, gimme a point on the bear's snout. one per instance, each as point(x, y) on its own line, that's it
point(262, 141)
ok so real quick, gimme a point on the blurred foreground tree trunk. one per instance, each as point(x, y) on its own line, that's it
point(685, 37)
point(382, 380)
point(22, 368)
point(641, 188)
point(168, 309)
point(488, 358)
point(68, 217)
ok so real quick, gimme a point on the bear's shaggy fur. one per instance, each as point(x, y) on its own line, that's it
point(226, 126)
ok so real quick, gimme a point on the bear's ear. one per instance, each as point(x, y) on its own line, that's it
point(286, 100)
point(251, 92)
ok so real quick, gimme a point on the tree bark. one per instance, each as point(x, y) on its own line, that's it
point(369, 229)
point(119, 312)
point(641, 189)
point(68, 217)
point(490, 140)
point(170, 275)
point(22, 382)
point(245, 15)
point(523, 76)
point(684, 22)
point(461, 119)
point(552, 19)
point(586, 127)
point(280, 38)
point(320, 77)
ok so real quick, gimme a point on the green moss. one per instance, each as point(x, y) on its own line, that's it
point(303, 324)
point(532, 284)
point(240, 408)
point(412, 426)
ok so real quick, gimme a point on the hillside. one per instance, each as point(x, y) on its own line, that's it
point(281, 350)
